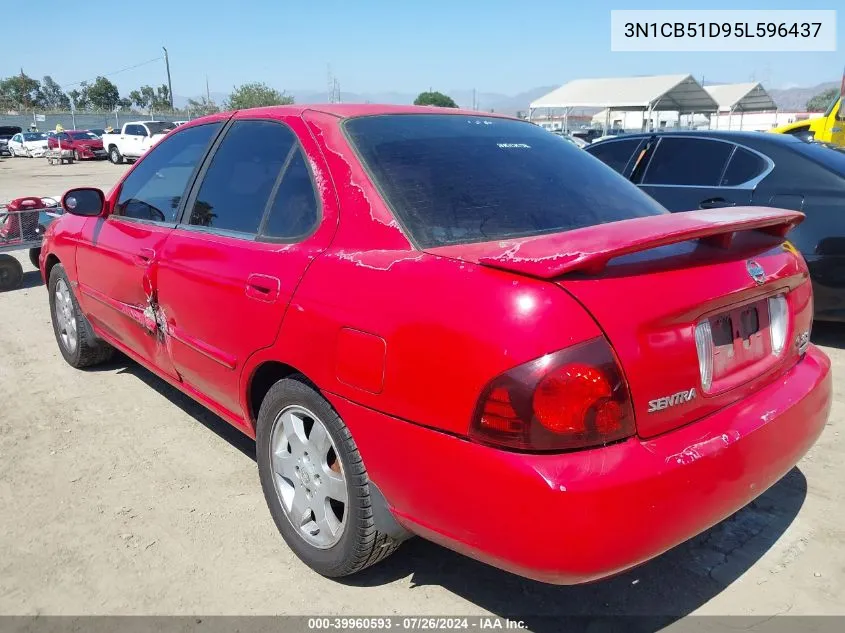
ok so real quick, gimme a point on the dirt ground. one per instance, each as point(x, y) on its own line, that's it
point(118, 495)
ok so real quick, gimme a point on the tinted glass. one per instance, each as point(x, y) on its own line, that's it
point(153, 190)
point(687, 161)
point(83, 136)
point(294, 210)
point(743, 166)
point(34, 136)
point(454, 178)
point(833, 159)
point(615, 154)
point(159, 127)
point(237, 185)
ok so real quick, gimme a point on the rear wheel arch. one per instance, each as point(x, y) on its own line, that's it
point(263, 377)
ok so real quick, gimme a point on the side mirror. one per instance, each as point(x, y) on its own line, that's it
point(87, 202)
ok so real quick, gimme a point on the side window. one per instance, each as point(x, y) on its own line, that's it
point(687, 161)
point(64, 137)
point(241, 177)
point(743, 166)
point(294, 210)
point(615, 154)
point(153, 190)
point(16, 138)
point(141, 130)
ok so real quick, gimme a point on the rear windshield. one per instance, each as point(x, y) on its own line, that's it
point(832, 158)
point(453, 179)
point(159, 127)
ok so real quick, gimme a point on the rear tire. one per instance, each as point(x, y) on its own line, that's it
point(77, 342)
point(11, 273)
point(356, 543)
point(115, 156)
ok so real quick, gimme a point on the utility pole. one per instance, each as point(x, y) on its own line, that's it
point(207, 91)
point(169, 85)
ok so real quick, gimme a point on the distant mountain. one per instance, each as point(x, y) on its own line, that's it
point(786, 99)
point(797, 98)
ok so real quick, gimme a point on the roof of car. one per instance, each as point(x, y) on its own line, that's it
point(348, 110)
point(725, 135)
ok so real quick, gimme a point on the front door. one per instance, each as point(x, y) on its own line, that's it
point(118, 255)
point(837, 130)
point(229, 270)
point(685, 173)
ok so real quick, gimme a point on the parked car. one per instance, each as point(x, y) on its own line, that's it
point(705, 170)
point(587, 134)
point(29, 144)
point(134, 139)
point(84, 144)
point(421, 320)
point(6, 133)
point(97, 131)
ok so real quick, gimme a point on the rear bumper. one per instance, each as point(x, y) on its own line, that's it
point(585, 515)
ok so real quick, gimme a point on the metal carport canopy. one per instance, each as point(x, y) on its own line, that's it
point(747, 97)
point(678, 93)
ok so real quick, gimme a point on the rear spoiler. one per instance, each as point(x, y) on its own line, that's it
point(590, 249)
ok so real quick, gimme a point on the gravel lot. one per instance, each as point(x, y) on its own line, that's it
point(118, 495)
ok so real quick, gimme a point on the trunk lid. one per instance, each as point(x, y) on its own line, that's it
point(649, 281)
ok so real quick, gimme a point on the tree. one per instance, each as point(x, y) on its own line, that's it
point(79, 98)
point(52, 96)
point(821, 101)
point(255, 95)
point(103, 94)
point(124, 104)
point(202, 106)
point(435, 99)
point(21, 92)
point(161, 101)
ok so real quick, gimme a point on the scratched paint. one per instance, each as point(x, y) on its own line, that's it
point(694, 452)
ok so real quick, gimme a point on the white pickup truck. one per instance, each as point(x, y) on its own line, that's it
point(134, 139)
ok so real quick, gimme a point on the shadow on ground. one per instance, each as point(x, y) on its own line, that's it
point(649, 597)
point(829, 334)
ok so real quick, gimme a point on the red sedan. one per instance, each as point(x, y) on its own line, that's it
point(459, 326)
point(83, 144)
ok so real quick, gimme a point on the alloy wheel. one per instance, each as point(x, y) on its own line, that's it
point(308, 476)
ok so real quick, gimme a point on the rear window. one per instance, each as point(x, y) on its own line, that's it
point(615, 154)
point(453, 179)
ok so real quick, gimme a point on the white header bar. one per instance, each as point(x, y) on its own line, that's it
point(723, 30)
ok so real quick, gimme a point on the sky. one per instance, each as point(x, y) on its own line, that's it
point(407, 46)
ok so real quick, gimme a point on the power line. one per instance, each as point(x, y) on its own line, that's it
point(116, 72)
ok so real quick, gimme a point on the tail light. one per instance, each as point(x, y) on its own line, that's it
point(574, 398)
point(704, 347)
point(778, 322)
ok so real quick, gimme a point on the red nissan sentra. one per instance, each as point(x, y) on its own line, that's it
point(453, 325)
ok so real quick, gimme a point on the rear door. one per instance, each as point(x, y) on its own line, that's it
point(685, 173)
point(117, 257)
point(250, 229)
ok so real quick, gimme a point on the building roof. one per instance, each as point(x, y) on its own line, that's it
point(747, 97)
point(681, 93)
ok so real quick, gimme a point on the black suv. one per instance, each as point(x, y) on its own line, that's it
point(707, 170)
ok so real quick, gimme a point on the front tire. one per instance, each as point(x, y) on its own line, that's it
point(77, 342)
point(75, 155)
point(34, 256)
point(315, 482)
point(115, 156)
